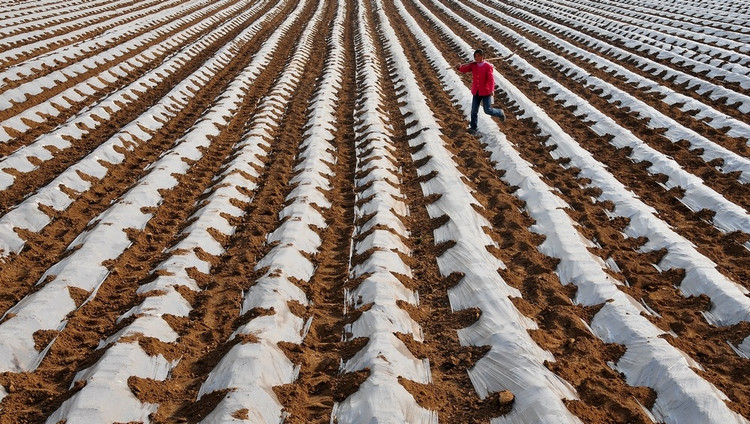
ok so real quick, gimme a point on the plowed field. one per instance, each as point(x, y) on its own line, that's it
point(272, 211)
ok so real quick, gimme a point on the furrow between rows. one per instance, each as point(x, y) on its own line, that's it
point(719, 12)
point(728, 216)
point(673, 131)
point(730, 303)
point(106, 69)
point(378, 237)
point(702, 111)
point(125, 358)
point(252, 368)
point(32, 9)
point(66, 60)
point(95, 18)
point(711, 89)
point(683, 42)
point(650, 360)
point(515, 361)
point(79, 178)
point(84, 268)
point(664, 51)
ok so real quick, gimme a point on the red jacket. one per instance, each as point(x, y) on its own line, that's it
point(482, 77)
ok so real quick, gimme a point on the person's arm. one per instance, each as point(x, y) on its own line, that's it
point(466, 67)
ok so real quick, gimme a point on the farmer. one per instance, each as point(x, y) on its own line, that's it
point(482, 87)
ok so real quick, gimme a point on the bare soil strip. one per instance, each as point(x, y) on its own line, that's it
point(686, 118)
point(89, 93)
point(74, 348)
point(688, 157)
point(234, 272)
point(44, 249)
point(544, 298)
point(636, 176)
point(79, 20)
point(634, 269)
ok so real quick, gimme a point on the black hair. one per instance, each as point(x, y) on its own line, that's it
point(479, 51)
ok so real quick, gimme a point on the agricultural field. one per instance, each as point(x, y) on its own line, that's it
point(272, 211)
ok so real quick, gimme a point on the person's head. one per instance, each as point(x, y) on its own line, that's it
point(478, 55)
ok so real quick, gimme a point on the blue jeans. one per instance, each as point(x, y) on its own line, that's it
point(486, 105)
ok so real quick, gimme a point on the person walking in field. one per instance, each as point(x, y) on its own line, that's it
point(482, 87)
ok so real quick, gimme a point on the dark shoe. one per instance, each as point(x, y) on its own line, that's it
point(502, 115)
point(473, 131)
